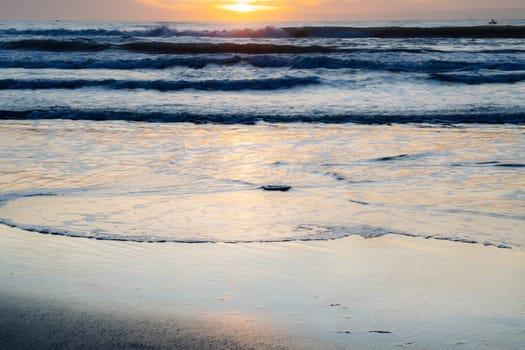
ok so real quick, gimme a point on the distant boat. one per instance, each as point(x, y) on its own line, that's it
point(493, 21)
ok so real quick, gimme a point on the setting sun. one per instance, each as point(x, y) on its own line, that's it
point(244, 6)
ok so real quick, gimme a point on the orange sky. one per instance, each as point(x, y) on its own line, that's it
point(260, 10)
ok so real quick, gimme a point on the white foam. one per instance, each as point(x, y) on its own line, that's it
point(319, 233)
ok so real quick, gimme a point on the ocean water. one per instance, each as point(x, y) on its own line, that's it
point(168, 132)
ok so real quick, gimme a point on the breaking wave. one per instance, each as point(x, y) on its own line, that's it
point(286, 82)
point(313, 233)
point(116, 63)
point(409, 32)
point(54, 45)
point(482, 116)
point(157, 31)
point(292, 61)
point(80, 45)
point(477, 79)
point(509, 31)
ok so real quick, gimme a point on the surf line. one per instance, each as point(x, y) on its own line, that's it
point(326, 234)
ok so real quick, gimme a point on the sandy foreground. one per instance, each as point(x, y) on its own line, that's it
point(385, 293)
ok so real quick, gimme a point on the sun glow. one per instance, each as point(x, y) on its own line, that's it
point(245, 6)
point(226, 10)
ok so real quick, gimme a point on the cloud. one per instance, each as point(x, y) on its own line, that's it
point(166, 4)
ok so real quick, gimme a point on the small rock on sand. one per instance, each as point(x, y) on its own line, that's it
point(282, 188)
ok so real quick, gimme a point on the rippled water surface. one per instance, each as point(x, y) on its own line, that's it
point(202, 183)
point(158, 132)
point(448, 72)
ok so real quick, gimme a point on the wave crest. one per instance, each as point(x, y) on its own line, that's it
point(54, 45)
point(477, 79)
point(252, 117)
point(294, 61)
point(80, 45)
point(156, 31)
point(318, 233)
point(295, 32)
point(286, 82)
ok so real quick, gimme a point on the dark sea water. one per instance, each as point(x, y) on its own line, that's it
point(166, 132)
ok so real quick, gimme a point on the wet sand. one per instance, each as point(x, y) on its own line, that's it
point(32, 323)
point(353, 293)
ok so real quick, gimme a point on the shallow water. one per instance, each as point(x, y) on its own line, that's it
point(202, 183)
point(415, 131)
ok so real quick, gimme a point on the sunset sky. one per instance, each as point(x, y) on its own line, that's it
point(259, 10)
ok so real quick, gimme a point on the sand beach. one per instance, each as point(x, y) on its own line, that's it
point(354, 293)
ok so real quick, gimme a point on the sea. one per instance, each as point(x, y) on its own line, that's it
point(182, 133)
